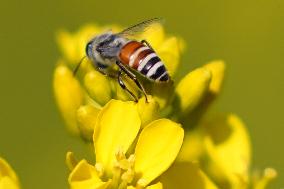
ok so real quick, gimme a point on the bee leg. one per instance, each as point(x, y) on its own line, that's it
point(147, 43)
point(102, 71)
point(133, 77)
point(123, 86)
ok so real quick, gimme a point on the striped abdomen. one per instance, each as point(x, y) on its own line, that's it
point(143, 59)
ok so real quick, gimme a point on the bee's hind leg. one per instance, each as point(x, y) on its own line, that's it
point(133, 77)
point(123, 86)
point(147, 43)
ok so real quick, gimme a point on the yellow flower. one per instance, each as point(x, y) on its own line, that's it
point(216, 152)
point(8, 178)
point(228, 149)
point(125, 157)
point(220, 143)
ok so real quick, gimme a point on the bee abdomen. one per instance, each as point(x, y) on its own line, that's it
point(144, 60)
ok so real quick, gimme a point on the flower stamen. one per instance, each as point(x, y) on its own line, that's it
point(141, 183)
point(123, 170)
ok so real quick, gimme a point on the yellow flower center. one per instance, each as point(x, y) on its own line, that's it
point(123, 173)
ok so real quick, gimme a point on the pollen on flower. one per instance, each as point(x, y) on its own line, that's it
point(128, 176)
point(119, 155)
point(141, 183)
point(122, 174)
point(126, 166)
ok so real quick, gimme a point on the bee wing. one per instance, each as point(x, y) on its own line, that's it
point(140, 27)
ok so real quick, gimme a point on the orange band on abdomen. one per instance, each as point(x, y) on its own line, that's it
point(127, 50)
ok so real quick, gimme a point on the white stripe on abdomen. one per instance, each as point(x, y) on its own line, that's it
point(154, 69)
point(145, 61)
point(135, 55)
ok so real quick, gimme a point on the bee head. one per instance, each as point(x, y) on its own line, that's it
point(97, 42)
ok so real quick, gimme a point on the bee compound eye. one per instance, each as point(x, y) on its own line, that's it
point(88, 48)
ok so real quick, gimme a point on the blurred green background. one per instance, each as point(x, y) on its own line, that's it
point(247, 34)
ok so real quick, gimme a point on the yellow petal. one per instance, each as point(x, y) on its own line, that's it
point(185, 175)
point(68, 94)
point(8, 183)
point(8, 178)
point(87, 116)
point(170, 51)
point(162, 93)
point(191, 89)
point(117, 125)
point(73, 45)
point(71, 161)
point(155, 186)
point(157, 147)
point(98, 87)
point(217, 69)
point(261, 182)
point(192, 147)
point(227, 145)
point(148, 111)
point(84, 176)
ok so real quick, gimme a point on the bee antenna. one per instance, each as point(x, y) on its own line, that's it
point(78, 66)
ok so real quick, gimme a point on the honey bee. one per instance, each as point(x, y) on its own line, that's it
point(131, 56)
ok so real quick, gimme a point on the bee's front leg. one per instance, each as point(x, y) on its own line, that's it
point(133, 77)
point(123, 86)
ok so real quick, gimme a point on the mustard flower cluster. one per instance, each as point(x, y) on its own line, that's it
point(171, 142)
